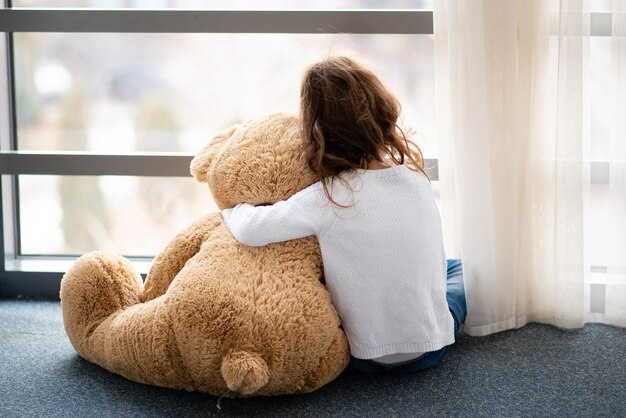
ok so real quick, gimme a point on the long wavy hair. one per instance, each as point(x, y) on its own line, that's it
point(349, 119)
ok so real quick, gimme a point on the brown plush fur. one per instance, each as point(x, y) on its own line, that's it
point(214, 315)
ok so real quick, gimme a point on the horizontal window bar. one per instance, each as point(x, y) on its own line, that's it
point(217, 21)
point(598, 269)
point(600, 23)
point(86, 164)
point(238, 21)
point(61, 264)
point(156, 164)
point(40, 277)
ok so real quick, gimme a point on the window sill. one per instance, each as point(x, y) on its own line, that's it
point(40, 277)
point(59, 264)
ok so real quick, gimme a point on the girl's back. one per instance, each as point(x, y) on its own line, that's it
point(384, 261)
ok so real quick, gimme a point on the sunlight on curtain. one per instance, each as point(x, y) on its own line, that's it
point(512, 87)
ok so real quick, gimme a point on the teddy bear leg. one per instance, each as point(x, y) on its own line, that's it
point(170, 262)
point(331, 364)
point(97, 285)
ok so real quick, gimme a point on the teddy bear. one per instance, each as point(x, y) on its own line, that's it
point(214, 315)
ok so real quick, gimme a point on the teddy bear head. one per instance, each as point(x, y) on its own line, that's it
point(259, 162)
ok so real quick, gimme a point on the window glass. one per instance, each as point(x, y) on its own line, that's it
point(135, 216)
point(599, 92)
point(125, 93)
point(597, 210)
point(120, 93)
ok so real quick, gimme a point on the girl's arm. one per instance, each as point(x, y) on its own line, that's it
point(302, 215)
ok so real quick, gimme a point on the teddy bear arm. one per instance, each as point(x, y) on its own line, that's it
point(171, 261)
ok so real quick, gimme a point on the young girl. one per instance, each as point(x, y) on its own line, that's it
point(375, 217)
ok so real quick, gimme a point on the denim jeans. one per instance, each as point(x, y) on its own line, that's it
point(455, 295)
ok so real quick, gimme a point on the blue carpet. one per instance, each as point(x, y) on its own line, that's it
point(538, 370)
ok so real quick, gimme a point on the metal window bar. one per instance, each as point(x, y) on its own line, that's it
point(86, 164)
point(217, 21)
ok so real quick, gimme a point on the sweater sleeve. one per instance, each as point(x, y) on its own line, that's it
point(302, 215)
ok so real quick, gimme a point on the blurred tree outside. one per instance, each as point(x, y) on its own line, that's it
point(158, 130)
point(85, 218)
point(27, 101)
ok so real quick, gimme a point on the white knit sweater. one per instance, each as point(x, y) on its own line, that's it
point(383, 256)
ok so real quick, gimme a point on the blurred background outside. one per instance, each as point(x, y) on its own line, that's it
point(125, 93)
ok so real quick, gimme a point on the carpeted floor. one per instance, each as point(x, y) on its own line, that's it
point(534, 371)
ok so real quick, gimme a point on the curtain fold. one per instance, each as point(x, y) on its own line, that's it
point(512, 108)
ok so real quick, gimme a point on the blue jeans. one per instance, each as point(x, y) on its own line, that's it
point(455, 295)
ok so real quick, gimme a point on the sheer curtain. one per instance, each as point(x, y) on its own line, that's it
point(512, 91)
point(615, 312)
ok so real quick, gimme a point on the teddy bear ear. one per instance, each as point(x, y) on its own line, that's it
point(201, 164)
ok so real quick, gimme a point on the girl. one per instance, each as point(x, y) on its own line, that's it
point(375, 217)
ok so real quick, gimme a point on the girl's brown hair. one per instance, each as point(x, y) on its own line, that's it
point(349, 118)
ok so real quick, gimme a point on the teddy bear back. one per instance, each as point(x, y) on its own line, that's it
point(245, 316)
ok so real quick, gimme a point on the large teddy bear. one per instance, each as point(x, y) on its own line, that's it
point(214, 315)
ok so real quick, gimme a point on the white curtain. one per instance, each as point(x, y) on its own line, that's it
point(615, 312)
point(513, 108)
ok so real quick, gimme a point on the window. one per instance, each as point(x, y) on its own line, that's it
point(105, 121)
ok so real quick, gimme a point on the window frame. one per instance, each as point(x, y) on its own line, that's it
point(40, 276)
